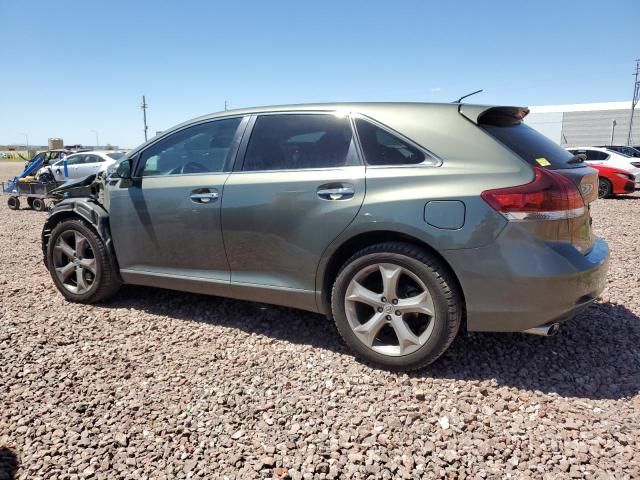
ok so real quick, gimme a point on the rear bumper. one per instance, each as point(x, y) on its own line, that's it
point(515, 283)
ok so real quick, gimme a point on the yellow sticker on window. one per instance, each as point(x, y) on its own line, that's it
point(543, 162)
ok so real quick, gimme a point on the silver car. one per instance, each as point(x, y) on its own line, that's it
point(399, 221)
point(79, 165)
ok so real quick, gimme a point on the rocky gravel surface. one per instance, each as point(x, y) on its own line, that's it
point(159, 384)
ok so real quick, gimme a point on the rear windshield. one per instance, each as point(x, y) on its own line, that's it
point(116, 155)
point(532, 146)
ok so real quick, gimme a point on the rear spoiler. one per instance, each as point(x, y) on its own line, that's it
point(495, 116)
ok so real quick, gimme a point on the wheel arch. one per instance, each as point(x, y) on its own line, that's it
point(342, 253)
point(84, 209)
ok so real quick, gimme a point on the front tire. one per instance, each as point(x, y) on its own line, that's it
point(80, 264)
point(396, 305)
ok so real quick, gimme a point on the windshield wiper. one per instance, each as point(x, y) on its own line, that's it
point(578, 158)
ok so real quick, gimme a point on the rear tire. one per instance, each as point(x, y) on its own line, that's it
point(416, 325)
point(605, 188)
point(13, 203)
point(80, 264)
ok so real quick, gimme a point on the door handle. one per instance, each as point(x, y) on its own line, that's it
point(342, 192)
point(203, 195)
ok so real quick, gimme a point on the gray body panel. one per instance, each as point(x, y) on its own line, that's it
point(158, 229)
point(270, 238)
point(517, 283)
point(276, 227)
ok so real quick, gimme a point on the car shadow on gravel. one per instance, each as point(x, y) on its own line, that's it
point(596, 355)
point(622, 197)
point(8, 464)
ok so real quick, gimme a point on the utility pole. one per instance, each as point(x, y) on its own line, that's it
point(97, 138)
point(636, 97)
point(26, 136)
point(144, 107)
point(226, 105)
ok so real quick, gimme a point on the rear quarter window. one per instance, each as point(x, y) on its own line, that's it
point(533, 147)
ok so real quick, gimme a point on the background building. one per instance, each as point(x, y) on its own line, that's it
point(55, 143)
point(586, 124)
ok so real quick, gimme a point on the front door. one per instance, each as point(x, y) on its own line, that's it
point(166, 222)
point(300, 185)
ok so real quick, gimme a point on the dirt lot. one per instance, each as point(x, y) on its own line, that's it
point(158, 384)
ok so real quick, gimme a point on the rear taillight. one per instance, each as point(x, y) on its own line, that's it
point(636, 164)
point(550, 196)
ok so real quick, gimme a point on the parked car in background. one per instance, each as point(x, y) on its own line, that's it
point(603, 156)
point(614, 181)
point(82, 164)
point(468, 215)
point(623, 149)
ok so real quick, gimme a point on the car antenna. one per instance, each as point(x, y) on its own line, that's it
point(467, 95)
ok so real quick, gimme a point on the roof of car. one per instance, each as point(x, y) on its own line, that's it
point(101, 152)
point(471, 111)
point(600, 149)
point(325, 107)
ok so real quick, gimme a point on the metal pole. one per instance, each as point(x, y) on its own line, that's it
point(26, 136)
point(97, 138)
point(634, 101)
point(144, 114)
point(613, 130)
point(226, 105)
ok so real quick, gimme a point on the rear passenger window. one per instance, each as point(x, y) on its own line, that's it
point(383, 148)
point(203, 148)
point(298, 141)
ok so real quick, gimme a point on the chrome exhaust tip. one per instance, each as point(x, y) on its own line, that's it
point(548, 330)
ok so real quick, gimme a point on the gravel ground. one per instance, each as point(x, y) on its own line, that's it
point(158, 384)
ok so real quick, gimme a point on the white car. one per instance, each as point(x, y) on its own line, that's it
point(80, 165)
point(604, 156)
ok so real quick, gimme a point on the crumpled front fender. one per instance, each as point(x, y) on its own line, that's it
point(85, 208)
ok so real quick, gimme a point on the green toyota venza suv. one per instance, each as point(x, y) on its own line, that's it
point(398, 220)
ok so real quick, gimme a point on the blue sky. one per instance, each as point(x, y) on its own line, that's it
point(70, 67)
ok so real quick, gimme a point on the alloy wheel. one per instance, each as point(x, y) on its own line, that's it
point(389, 309)
point(74, 262)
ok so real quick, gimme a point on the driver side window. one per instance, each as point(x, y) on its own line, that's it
point(203, 148)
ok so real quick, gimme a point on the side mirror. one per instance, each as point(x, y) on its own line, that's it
point(123, 171)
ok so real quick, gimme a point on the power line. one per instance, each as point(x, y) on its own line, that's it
point(144, 107)
point(636, 97)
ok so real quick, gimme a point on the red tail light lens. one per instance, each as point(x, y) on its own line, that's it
point(550, 196)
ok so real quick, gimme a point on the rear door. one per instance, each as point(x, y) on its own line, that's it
point(89, 166)
point(299, 184)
